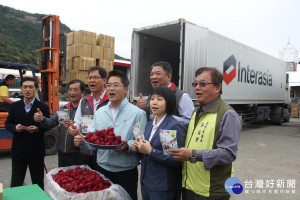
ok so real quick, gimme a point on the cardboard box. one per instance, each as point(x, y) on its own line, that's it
point(100, 62)
point(70, 75)
point(83, 63)
point(106, 64)
point(84, 37)
point(105, 41)
point(90, 38)
point(81, 75)
point(100, 40)
point(79, 36)
point(80, 49)
point(69, 63)
point(109, 54)
point(294, 110)
point(70, 51)
point(97, 52)
point(294, 105)
point(109, 65)
point(294, 113)
point(70, 38)
point(112, 42)
point(109, 41)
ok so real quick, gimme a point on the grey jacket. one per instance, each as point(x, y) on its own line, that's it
point(87, 108)
point(65, 143)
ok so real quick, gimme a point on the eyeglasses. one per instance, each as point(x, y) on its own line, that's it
point(201, 84)
point(115, 85)
point(73, 90)
point(94, 77)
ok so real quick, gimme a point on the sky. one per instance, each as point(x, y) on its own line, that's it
point(266, 25)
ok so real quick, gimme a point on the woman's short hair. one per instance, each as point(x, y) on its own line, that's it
point(169, 97)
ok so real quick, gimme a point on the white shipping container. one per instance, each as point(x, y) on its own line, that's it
point(254, 82)
point(255, 76)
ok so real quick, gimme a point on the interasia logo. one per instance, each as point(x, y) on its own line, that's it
point(244, 74)
point(229, 69)
point(233, 185)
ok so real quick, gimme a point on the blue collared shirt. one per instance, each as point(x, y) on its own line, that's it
point(185, 109)
point(28, 106)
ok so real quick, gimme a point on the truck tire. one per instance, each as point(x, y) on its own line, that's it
point(287, 119)
point(286, 115)
point(50, 142)
point(276, 116)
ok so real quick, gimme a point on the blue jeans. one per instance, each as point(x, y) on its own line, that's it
point(153, 195)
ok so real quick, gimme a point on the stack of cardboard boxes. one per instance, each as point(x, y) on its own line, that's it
point(294, 110)
point(86, 49)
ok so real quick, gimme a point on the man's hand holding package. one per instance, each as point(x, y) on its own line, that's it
point(182, 154)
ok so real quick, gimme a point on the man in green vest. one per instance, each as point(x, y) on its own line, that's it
point(211, 143)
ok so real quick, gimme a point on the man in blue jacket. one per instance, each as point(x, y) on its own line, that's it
point(119, 165)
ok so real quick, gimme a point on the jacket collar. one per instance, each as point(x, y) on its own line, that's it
point(122, 105)
point(69, 106)
point(161, 126)
point(90, 99)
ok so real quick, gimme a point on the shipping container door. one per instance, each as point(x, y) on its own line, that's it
point(194, 54)
point(149, 45)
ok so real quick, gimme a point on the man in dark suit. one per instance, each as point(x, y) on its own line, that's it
point(28, 146)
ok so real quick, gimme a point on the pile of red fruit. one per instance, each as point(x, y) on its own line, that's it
point(80, 180)
point(103, 137)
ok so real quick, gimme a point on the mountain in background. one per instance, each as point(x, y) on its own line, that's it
point(21, 35)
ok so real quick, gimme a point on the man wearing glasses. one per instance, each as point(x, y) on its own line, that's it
point(212, 141)
point(88, 105)
point(120, 164)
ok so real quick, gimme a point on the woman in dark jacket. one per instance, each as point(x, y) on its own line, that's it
point(159, 172)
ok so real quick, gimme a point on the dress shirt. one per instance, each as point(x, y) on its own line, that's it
point(114, 112)
point(185, 109)
point(28, 106)
point(155, 126)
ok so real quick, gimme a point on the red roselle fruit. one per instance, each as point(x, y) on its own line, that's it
point(103, 137)
point(80, 180)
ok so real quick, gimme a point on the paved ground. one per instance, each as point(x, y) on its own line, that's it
point(269, 153)
point(266, 153)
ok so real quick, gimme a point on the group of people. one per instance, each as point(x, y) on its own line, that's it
point(207, 136)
